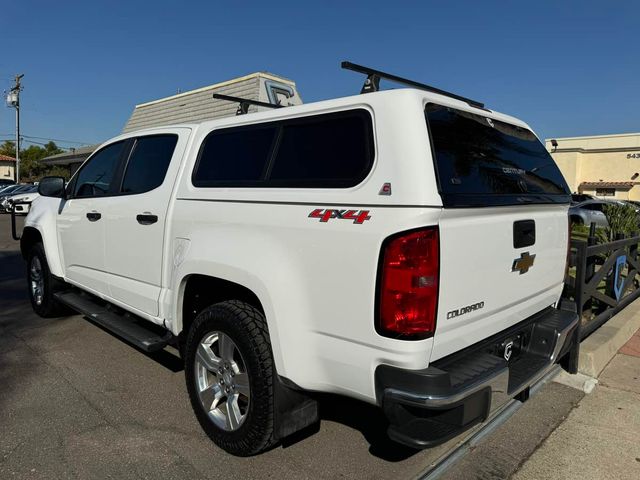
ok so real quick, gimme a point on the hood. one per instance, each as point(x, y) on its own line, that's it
point(24, 197)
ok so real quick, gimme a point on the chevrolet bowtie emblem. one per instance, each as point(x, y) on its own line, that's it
point(524, 263)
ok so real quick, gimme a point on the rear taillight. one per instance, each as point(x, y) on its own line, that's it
point(409, 285)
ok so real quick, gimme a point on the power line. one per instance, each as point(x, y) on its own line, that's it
point(33, 142)
point(59, 140)
point(47, 138)
point(44, 144)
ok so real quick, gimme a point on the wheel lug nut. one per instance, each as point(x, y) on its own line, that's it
point(222, 381)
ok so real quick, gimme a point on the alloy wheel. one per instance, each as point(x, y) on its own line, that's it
point(36, 279)
point(222, 381)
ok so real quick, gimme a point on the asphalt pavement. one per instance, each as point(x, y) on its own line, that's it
point(77, 402)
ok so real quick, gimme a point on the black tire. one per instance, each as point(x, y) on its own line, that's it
point(247, 328)
point(575, 220)
point(45, 304)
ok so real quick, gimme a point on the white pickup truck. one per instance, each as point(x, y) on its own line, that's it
point(406, 248)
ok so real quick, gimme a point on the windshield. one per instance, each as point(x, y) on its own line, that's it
point(482, 161)
point(27, 189)
point(12, 188)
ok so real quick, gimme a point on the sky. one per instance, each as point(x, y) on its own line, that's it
point(567, 68)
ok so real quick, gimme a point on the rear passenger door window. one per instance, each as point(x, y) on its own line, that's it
point(148, 163)
point(322, 151)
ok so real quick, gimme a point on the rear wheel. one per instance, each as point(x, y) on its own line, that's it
point(229, 374)
point(42, 285)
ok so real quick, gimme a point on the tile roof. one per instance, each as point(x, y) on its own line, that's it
point(6, 158)
point(627, 185)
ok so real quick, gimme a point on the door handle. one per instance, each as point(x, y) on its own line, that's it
point(146, 219)
point(94, 216)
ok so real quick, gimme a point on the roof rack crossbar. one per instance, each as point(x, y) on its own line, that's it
point(244, 103)
point(372, 83)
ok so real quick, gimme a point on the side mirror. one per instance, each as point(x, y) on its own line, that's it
point(52, 187)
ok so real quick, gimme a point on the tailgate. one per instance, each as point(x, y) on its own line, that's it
point(486, 283)
point(499, 187)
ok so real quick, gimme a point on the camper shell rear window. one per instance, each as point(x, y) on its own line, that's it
point(484, 162)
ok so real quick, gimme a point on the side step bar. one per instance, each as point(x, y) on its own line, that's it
point(124, 326)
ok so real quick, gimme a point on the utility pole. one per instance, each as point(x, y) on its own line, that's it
point(13, 100)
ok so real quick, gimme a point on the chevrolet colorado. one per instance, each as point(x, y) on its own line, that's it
point(406, 248)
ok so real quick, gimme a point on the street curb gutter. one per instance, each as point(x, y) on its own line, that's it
point(579, 381)
point(602, 345)
point(438, 468)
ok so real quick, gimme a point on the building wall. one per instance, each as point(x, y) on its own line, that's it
point(191, 107)
point(603, 158)
point(7, 170)
point(569, 166)
point(198, 105)
point(620, 194)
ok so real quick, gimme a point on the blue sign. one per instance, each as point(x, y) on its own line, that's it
point(618, 279)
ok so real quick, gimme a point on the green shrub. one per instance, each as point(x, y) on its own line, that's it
point(622, 219)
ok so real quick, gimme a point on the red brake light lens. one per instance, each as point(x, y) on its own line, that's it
point(409, 285)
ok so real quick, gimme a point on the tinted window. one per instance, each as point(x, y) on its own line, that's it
point(94, 179)
point(478, 159)
point(606, 192)
point(596, 207)
point(235, 155)
point(148, 163)
point(324, 152)
point(329, 151)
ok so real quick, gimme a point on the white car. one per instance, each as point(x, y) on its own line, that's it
point(21, 203)
point(406, 248)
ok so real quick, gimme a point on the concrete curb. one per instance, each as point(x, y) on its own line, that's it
point(603, 344)
point(578, 381)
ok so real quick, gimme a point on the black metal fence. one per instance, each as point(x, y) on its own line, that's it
point(602, 278)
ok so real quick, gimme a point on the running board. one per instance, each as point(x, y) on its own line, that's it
point(124, 326)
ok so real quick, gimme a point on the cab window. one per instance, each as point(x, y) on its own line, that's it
point(148, 163)
point(95, 177)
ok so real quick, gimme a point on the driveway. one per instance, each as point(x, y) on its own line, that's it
point(76, 402)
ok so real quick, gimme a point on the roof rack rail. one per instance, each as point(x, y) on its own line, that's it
point(372, 83)
point(243, 103)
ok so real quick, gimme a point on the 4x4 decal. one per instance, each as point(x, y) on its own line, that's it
point(358, 216)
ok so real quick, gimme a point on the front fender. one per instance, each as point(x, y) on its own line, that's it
point(43, 218)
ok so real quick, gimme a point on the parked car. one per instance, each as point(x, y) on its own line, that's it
point(343, 246)
point(9, 192)
point(581, 197)
point(21, 202)
point(634, 203)
point(9, 187)
point(591, 211)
